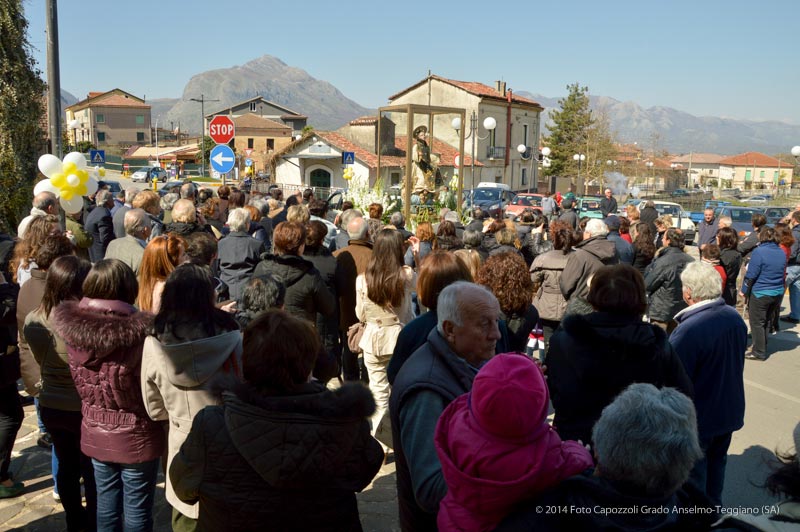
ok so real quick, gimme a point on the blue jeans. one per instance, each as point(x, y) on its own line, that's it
point(709, 472)
point(793, 282)
point(125, 495)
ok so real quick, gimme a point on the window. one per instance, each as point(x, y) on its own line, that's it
point(250, 143)
point(139, 136)
point(252, 107)
point(762, 175)
point(525, 175)
point(270, 144)
point(139, 120)
point(525, 134)
point(394, 178)
point(101, 136)
point(775, 175)
point(100, 118)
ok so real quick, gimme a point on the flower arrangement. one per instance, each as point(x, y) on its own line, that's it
point(362, 195)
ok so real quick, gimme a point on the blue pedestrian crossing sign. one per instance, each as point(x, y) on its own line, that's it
point(348, 157)
point(222, 158)
point(97, 156)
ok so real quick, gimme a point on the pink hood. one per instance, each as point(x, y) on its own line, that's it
point(496, 447)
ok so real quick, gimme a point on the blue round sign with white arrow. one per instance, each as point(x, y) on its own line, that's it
point(222, 158)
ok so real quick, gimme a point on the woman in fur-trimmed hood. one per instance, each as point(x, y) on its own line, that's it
point(279, 450)
point(104, 334)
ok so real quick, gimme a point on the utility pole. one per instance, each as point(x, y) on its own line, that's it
point(53, 79)
point(202, 101)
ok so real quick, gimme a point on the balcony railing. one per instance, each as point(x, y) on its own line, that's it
point(495, 152)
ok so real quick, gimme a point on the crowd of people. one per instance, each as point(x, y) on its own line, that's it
point(269, 356)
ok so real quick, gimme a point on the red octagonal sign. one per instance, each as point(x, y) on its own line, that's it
point(221, 129)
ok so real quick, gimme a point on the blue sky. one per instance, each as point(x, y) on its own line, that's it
point(706, 57)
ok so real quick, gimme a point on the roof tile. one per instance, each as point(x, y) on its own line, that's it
point(753, 158)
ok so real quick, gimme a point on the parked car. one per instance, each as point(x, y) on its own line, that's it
point(698, 216)
point(522, 201)
point(146, 174)
point(490, 196)
point(113, 186)
point(679, 217)
point(171, 186)
point(775, 214)
point(742, 218)
point(679, 192)
point(588, 206)
point(756, 200)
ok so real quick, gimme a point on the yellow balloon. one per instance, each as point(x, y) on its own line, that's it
point(102, 172)
point(81, 190)
point(69, 168)
point(83, 175)
point(59, 179)
point(67, 194)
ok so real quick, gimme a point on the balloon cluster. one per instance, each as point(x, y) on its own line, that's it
point(69, 179)
point(348, 174)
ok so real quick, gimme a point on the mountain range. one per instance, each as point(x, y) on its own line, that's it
point(662, 128)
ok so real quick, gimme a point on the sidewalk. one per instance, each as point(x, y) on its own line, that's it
point(37, 511)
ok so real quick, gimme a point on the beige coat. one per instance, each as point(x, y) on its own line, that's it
point(383, 325)
point(546, 273)
point(176, 379)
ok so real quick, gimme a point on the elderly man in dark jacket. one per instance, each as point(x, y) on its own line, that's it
point(662, 280)
point(238, 253)
point(715, 364)
point(438, 372)
point(608, 205)
point(707, 229)
point(568, 214)
point(593, 252)
point(100, 225)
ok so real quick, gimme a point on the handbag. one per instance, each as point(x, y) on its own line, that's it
point(354, 334)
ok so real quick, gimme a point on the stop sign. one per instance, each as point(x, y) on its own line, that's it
point(221, 129)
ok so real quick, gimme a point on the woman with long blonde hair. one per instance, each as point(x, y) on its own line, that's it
point(162, 255)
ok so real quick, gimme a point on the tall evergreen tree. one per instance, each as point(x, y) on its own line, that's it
point(21, 112)
point(569, 133)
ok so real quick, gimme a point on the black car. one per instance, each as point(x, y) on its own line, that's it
point(775, 214)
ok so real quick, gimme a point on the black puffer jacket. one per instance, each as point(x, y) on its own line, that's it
point(280, 463)
point(306, 293)
point(593, 358)
point(662, 281)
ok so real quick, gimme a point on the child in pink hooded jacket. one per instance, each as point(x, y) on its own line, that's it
point(496, 447)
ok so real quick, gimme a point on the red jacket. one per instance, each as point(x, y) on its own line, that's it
point(496, 447)
point(104, 341)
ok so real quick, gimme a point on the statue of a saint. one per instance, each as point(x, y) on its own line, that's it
point(424, 166)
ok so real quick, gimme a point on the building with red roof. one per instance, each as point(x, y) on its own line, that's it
point(113, 118)
point(754, 171)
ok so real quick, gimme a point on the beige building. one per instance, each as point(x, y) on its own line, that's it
point(113, 118)
point(754, 171)
point(258, 139)
point(517, 122)
point(699, 168)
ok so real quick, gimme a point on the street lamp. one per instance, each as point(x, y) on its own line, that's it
point(489, 124)
point(579, 158)
point(523, 149)
point(202, 101)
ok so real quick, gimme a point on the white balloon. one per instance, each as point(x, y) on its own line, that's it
point(49, 164)
point(45, 185)
point(76, 158)
point(73, 180)
point(73, 205)
point(91, 186)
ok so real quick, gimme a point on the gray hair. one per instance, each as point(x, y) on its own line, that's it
point(260, 204)
point(596, 227)
point(188, 191)
point(649, 203)
point(397, 219)
point(239, 220)
point(130, 193)
point(102, 197)
point(135, 220)
point(168, 201)
point(44, 200)
point(703, 280)
point(184, 211)
point(648, 438)
point(357, 228)
point(452, 216)
point(725, 221)
point(347, 216)
point(454, 300)
point(472, 239)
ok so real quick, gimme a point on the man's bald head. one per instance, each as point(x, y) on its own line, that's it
point(46, 201)
point(135, 222)
point(183, 211)
point(357, 228)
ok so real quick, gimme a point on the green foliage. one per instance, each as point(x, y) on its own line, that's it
point(569, 131)
point(21, 109)
point(208, 145)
